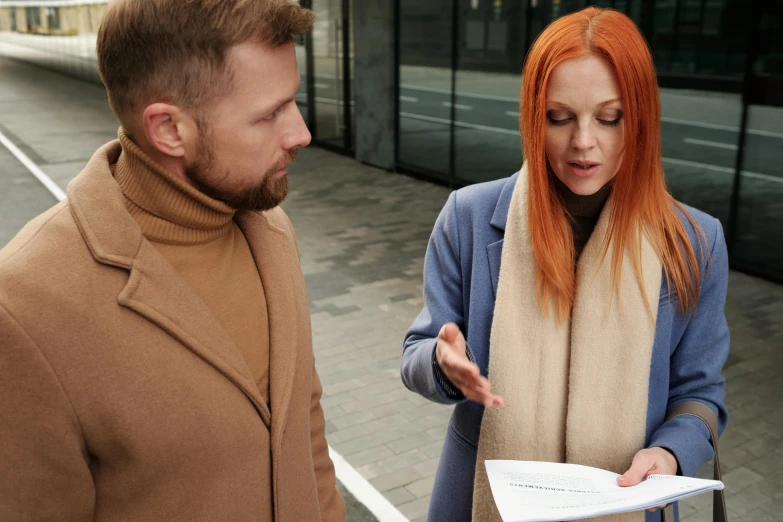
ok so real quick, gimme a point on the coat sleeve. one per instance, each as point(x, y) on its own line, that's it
point(44, 461)
point(443, 303)
point(696, 365)
point(332, 505)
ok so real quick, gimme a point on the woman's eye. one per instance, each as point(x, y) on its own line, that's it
point(558, 121)
point(610, 123)
point(610, 119)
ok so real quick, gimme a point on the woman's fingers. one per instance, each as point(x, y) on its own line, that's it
point(451, 334)
point(479, 391)
point(457, 367)
point(459, 370)
point(482, 397)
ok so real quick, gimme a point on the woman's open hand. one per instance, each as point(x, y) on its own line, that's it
point(452, 358)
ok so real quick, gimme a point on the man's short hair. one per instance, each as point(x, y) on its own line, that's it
point(175, 51)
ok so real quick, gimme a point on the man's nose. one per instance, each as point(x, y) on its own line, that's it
point(299, 135)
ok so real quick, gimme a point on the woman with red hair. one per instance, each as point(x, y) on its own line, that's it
point(589, 298)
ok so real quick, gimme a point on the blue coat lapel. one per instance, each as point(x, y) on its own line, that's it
point(499, 219)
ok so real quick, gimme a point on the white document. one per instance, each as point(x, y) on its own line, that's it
point(546, 491)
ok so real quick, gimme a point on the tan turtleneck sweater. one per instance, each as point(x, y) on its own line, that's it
point(199, 237)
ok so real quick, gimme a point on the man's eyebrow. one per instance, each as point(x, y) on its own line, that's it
point(272, 107)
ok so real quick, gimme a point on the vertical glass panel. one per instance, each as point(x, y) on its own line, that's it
point(425, 85)
point(700, 138)
point(662, 39)
point(329, 78)
point(634, 10)
point(487, 141)
point(718, 35)
point(301, 61)
point(759, 239)
point(687, 35)
point(351, 74)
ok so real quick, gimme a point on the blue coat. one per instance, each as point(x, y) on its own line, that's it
point(461, 271)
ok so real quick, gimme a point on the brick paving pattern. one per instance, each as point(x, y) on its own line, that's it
point(363, 234)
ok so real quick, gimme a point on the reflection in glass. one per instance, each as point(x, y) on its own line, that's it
point(486, 111)
point(759, 239)
point(759, 218)
point(425, 86)
point(700, 139)
point(327, 34)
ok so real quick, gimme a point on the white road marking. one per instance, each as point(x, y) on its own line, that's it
point(725, 170)
point(458, 106)
point(458, 123)
point(461, 94)
point(676, 121)
point(322, 85)
point(364, 492)
point(513, 114)
point(686, 163)
point(715, 144)
point(409, 99)
point(328, 101)
point(715, 126)
point(34, 169)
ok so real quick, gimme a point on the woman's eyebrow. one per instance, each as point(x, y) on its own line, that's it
point(566, 106)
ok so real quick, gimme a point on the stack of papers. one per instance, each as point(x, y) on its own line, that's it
point(546, 491)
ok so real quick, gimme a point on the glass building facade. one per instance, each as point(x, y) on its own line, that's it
point(720, 71)
point(456, 79)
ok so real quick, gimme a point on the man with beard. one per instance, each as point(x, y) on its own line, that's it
point(155, 345)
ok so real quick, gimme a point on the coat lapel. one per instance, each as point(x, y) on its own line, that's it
point(155, 290)
point(499, 219)
point(276, 257)
point(494, 251)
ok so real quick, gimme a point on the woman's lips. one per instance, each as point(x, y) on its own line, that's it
point(582, 172)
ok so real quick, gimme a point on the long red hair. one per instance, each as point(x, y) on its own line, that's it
point(643, 204)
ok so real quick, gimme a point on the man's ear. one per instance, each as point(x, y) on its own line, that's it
point(168, 129)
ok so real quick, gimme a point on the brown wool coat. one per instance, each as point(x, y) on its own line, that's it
point(122, 397)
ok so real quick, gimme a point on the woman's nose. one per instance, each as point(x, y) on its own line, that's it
point(583, 138)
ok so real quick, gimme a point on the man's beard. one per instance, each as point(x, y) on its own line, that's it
point(204, 171)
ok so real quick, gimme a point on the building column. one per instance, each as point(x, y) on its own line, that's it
point(375, 89)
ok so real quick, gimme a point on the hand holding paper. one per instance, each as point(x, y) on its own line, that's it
point(650, 461)
point(545, 491)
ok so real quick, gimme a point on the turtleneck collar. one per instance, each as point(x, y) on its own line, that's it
point(167, 209)
point(583, 206)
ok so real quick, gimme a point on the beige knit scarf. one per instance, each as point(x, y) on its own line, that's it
point(574, 392)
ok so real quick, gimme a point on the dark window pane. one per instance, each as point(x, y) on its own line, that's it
point(425, 84)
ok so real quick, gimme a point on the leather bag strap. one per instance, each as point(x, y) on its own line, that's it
point(703, 412)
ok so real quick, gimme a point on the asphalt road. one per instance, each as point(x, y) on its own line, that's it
point(684, 141)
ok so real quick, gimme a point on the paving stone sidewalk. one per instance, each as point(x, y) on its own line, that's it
point(363, 233)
